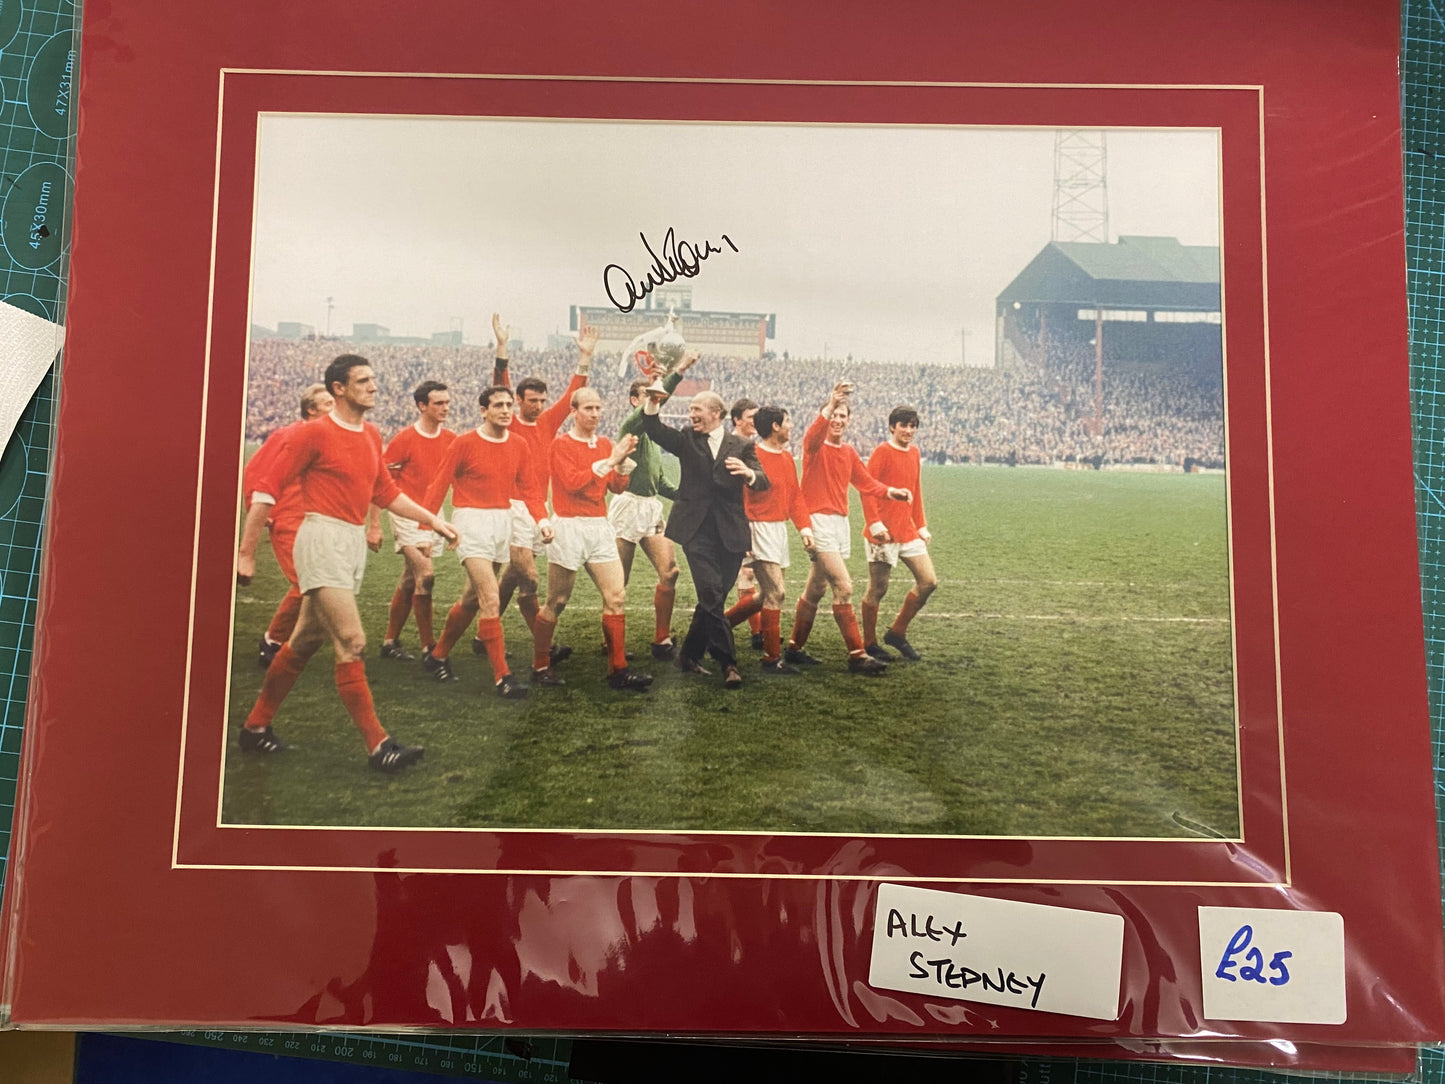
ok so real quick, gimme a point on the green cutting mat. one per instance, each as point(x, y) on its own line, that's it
point(34, 37)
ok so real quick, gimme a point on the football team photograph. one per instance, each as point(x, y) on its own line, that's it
point(745, 478)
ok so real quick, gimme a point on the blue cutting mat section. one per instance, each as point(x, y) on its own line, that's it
point(35, 38)
point(31, 278)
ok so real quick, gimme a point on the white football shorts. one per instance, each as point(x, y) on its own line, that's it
point(485, 533)
point(329, 553)
point(889, 552)
point(634, 518)
point(582, 540)
point(408, 532)
point(524, 530)
point(770, 542)
point(831, 534)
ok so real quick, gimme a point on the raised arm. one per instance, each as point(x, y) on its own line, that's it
point(664, 436)
point(633, 422)
point(550, 420)
point(501, 332)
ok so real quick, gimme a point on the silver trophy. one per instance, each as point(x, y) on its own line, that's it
point(657, 353)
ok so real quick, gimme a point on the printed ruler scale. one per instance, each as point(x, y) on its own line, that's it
point(37, 57)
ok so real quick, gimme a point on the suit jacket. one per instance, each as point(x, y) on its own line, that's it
point(706, 486)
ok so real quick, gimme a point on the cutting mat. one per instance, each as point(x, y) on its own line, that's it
point(36, 43)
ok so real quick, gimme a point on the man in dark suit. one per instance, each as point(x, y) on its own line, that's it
point(708, 521)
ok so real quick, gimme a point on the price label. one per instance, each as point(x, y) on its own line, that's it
point(1272, 965)
point(999, 952)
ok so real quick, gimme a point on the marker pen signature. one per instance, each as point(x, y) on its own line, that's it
point(679, 259)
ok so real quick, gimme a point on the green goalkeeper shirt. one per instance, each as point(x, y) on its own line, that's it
point(647, 479)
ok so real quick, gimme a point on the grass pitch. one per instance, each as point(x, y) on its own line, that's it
point(1076, 681)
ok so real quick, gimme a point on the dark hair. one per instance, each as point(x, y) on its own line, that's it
point(741, 407)
point(339, 371)
point(902, 415)
point(485, 399)
point(532, 383)
point(637, 386)
point(422, 395)
point(767, 419)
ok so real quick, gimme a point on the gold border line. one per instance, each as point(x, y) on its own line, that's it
point(1229, 497)
point(533, 77)
point(630, 832)
point(896, 878)
point(1269, 471)
point(770, 833)
point(200, 476)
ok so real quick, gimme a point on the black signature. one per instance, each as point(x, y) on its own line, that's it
point(679, 259)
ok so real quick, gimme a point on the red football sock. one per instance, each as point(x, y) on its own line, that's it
point(356, 695)
point(663, 599)
point(870, 622)
point(527, 606)
point(848, 626)
point(283, 621)
point(542, 634)
point(755, 620)
point(803, 622)
point(911, 605)
point(614, 631)
point(285, 668)
point(457, 621)
point(491, 629)
point(425, 623)
point(400, 609)
point(748, 604)
point(772, 634)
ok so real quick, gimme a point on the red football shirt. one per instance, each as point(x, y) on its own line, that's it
point(414, 458)
point(783, 499)
point(898, 467)
point(829, 468)
point(339, 468)
point(538, 434)
point(484, 473)
point(578, 490)
point(288, 511)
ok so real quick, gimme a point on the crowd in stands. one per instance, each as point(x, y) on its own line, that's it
point(1030, 413)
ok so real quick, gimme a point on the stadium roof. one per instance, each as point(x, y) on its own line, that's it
point(1134, 272)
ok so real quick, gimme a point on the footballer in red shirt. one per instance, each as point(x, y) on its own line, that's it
point(585, 468)
point(337, 461)
point(485, 471)
point(768, 513)
point(285, 516)
point(829, 467)
point(537, 424)
point(750, 602)
point(896, 533)
point(414, 456)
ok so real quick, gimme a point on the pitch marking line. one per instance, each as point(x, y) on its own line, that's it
point(1096, 618)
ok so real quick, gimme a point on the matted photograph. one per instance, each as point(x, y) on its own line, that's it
point(830, 479)
point(1015, 354)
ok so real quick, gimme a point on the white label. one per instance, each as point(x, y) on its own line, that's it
point(1285, 967)
point(999, 952)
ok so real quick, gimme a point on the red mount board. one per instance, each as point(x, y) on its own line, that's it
point(133, 904)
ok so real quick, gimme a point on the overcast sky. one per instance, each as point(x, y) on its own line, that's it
point(883, 242)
